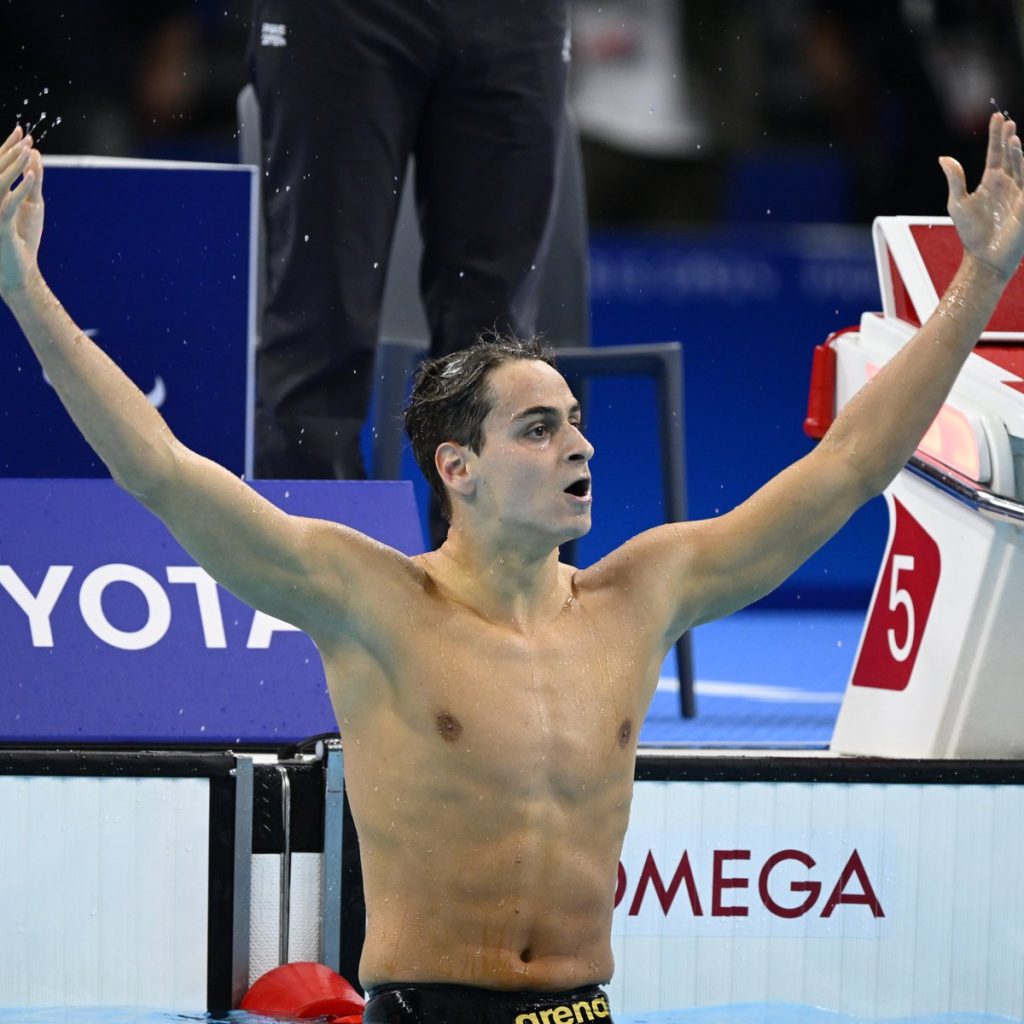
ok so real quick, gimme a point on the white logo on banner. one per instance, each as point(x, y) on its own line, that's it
point(272, 34)
point(757, 882)
point(39, 606)
point(158, 395)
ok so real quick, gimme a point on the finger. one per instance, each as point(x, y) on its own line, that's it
point(954, 178)
point(1015, 160)
point(1009, 130)
point(10, 152)
point(994, 155)
point(35, 168)
point(11, 167)
point(14, 199)
point(11, 139)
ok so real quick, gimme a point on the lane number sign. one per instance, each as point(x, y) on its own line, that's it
point(901, 606)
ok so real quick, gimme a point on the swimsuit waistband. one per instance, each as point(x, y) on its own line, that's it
point(445, 1003)
point(512, 995)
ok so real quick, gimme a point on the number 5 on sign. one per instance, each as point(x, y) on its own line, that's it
point(899, 612)
point(900, 598)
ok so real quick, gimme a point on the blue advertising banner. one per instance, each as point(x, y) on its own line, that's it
point(112, 634)
point(748, 303)
point(155, 261)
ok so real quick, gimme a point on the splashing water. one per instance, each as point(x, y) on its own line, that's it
point(33, 128)
point(1005, 113)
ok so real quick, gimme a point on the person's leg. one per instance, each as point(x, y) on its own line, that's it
point(487, 160)
point(339, 86)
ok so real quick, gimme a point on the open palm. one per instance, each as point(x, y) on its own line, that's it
point(990, 220)
point(21, 209)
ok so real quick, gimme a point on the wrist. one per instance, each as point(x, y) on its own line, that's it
point(980, 272)
point(24, 289)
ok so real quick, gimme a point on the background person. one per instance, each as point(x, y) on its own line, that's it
point(347, 91)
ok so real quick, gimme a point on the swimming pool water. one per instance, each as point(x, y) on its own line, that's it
point(787, 1013)
point(748, 1013)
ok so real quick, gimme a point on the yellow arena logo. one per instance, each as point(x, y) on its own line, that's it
point(576, 1013)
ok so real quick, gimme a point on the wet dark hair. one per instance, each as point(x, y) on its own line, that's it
point(451, 399)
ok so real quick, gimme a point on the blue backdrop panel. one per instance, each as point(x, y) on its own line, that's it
point(154, 260)
point(86, 574)
point(749, 304)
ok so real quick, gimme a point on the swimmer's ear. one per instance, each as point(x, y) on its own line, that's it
point(453, 466)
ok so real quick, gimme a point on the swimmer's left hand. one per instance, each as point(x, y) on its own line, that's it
point(990, 220)
point(21, 211)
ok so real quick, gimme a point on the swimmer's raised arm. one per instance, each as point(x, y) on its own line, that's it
point(298, 569)
point(723, 564)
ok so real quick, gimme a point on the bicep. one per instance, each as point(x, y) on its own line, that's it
point(748, 552)
point(263, 555)
point(691, 573)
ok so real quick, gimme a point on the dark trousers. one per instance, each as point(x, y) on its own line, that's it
point(475, 91)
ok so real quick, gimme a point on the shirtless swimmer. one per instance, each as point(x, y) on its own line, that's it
point(488, 696)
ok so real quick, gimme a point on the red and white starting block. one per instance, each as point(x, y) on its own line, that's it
point(940, 668)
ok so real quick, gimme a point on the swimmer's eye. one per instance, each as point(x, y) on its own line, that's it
point(538, 430)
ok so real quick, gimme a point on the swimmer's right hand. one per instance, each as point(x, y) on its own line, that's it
point(21, 211)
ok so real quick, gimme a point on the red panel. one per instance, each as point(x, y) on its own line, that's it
point(902, 304)
point(940, 248)
point(902, 604)
point(1007, 357)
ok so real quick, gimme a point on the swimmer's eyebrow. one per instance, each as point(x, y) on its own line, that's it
point(548, 412)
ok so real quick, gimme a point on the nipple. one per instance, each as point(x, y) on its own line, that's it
point(625, 731)
point(449, 727)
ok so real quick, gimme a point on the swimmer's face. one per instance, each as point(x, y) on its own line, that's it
point(532, 473)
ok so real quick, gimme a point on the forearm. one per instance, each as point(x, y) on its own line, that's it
point(879, 428)
point(114, 416)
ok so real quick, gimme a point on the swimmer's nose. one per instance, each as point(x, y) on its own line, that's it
point(581, 450)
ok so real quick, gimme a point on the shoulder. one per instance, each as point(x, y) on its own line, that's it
point(361, 580)
point(648, 554)
point(644, 563)
point(650, 576)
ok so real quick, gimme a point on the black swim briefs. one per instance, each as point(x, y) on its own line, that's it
point(464, 1004)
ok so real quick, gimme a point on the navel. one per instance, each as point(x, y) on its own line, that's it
point(625, 731)
point(449, 727)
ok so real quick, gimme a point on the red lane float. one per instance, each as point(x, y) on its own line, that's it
point(304, 990)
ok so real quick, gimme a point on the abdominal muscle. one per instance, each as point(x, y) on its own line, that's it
point(487, 873)
point(529, 911)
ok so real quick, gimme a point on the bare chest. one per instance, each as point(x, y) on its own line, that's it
point(556, 710)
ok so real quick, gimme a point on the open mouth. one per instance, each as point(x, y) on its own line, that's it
point(579, 489)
